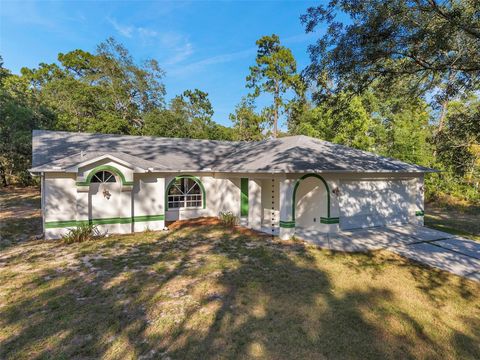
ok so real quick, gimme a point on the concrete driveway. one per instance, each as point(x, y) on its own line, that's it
point(427, 246)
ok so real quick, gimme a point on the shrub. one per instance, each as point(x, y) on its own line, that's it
point(81, 233)
point(227, 218)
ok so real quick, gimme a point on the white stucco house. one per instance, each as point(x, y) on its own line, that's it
point(132, 183)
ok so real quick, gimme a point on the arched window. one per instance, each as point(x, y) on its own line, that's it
point(184, 192)
point(103, 177)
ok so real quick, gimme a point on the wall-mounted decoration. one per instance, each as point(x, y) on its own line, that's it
point(106, 194)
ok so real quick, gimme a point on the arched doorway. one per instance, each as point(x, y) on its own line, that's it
point(311, 202)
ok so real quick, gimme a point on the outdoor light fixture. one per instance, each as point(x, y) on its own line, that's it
point(421, 188)
point(336, 191)
point(106, 194)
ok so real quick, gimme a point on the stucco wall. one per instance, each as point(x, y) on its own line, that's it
point(222, 194)
point(59, 201)
point(375, 199)
point(148, 202)
point(311, 203)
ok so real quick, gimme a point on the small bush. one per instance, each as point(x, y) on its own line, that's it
point(227, 218)
point(81, 233)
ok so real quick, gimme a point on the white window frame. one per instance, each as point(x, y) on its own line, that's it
point(103, 179)
point(184, 198)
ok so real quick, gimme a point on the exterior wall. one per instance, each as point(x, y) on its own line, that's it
point(148, 202)
point(222, 194)
point(137, 202)
point(255, 207)
point(311, 204)
point(59, 201)
point(70, 200)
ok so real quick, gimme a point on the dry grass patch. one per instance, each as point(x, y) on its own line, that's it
point(209, 292)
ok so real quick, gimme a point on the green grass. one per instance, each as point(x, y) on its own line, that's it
point(213, 293)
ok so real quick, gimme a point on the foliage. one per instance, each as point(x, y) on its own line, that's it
point(458, 142)
point(20, 113)
point(341, 120)
point(227, 218)
point(195, 111)
point(434, 45)
point(275, 73)
point(247, 124)
point(81, 233)
point(102, 92)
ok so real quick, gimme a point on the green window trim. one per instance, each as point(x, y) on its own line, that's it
point(420, 213)
point(104, 221)
point(297, 184)
point(110, 168)
point(244, 197)
point(194, 178)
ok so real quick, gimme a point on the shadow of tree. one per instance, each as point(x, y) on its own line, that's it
point(205, 293)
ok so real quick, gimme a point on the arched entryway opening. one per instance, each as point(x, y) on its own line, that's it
point(311, 202)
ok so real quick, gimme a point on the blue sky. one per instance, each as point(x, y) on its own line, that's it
point(200, 44)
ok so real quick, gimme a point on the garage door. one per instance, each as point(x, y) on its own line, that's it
point(373, 203)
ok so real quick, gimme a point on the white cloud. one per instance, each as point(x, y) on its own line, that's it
point(178, 47)
point(125, 30)
point(175, 46)
point(213, 60)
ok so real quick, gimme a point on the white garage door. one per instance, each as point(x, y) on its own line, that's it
point(373, 203)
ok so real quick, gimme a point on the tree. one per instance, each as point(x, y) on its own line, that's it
point(435, 45)
point(20, 113)
point(247, 124)
point(102, 92)
point(458, 146)
point(341, 120)
point(196, 108)
point(165, 123)
point(275, 73)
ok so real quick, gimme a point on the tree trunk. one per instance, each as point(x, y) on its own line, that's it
point(3, 177)
point(275, 110)
point(441, 121)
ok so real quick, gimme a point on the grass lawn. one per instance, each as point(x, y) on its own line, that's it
point(206, 292)
point(454, 219)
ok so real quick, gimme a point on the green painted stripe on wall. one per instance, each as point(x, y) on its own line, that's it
point(332, 220)
point(420, 213)
point(63, 224)
point(148, 218)
point(287, 224)
point(244, 197)
point(105, 221)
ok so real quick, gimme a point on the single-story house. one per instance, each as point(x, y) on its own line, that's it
point(132, 183)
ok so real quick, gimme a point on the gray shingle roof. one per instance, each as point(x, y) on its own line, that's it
point(54, 149)
point(73, 161)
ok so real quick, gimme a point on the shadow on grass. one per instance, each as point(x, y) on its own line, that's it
point(205, 293)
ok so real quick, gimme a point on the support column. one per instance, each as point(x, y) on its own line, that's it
point(287, 224)
point(255, 209)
